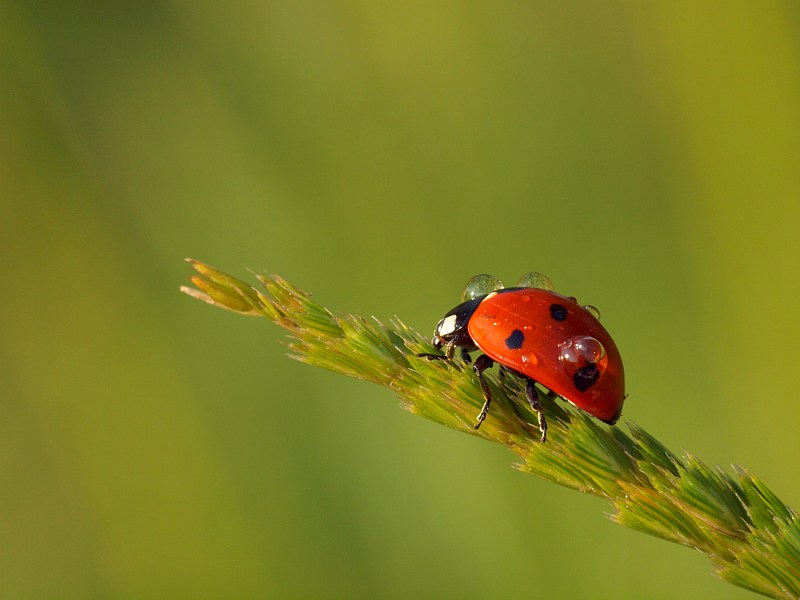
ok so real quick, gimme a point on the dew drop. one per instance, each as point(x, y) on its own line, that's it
point(480, 285)
point(592, 310)
point(583, 359)
point(535, 280)
point(580, 350)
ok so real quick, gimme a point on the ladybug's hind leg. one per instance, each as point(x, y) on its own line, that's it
point(482, 363)
point(533, 400)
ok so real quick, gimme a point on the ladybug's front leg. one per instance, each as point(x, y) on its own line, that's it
point(449, 352)
point(482, 363)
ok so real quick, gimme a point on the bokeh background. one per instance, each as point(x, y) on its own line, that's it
point(643, 155)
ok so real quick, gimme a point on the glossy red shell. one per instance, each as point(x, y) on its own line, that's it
point(538, 351)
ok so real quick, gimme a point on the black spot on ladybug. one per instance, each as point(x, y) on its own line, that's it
point(586, 377)
point(558, 312)
point(514, 341)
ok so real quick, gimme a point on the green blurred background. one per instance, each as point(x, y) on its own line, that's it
point(643, 155)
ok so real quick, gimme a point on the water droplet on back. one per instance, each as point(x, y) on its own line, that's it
point(592, 310)
point(581, 349)
point(480, 285)
point(535, 280)
point(582, 356)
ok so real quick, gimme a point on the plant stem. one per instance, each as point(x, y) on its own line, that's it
point(751, 537)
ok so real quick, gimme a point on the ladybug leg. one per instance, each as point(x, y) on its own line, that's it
point(449, 351)
point(482, 363)
point(465, 356)
point(432, 356)
point(533, 400)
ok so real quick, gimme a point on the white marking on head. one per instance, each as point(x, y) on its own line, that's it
point(448, 325)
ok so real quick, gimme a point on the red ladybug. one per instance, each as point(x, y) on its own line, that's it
point(542, 337)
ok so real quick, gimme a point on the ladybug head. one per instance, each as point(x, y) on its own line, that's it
point(451, 331)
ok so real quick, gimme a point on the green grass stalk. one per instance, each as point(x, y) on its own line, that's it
point(751, 537)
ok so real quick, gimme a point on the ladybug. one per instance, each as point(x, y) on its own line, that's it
point(542, 337)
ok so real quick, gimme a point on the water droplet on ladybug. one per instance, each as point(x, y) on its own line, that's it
point(584, 361)
point(592, 310)
point(535, 280)
point(530, 359)
point(581, 350)
point(480, 285)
